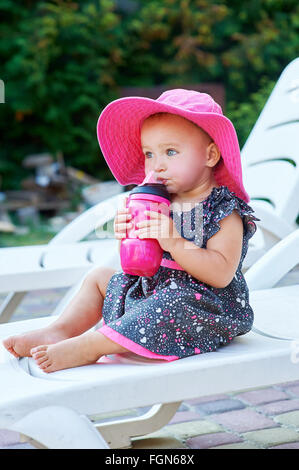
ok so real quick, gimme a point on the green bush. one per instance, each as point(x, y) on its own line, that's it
point(244, 115)
point(59, 71)
point(62, 61)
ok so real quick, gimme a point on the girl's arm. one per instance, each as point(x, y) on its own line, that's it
point(215, 265)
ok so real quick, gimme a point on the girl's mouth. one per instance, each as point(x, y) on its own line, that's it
point(162, 181)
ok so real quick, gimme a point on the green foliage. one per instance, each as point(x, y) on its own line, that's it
point(62, 61)
point(244, 114)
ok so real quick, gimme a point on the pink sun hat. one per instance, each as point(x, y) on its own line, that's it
point(119, 125)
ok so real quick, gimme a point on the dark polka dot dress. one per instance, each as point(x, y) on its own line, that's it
point(172, 315)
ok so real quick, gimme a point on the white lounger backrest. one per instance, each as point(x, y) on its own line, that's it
point(89, 220)
point(270, 156)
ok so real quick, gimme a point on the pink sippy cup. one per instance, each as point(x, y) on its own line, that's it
point(142, 257)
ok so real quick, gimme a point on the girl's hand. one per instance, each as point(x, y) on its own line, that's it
point(161, 227)
point(122, 221)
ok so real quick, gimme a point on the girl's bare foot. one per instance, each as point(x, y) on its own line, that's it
point(73, 352)
point(20, 345)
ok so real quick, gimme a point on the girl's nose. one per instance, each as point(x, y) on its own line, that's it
point(159, 165)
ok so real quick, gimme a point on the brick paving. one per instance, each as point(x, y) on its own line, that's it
point(264, 418)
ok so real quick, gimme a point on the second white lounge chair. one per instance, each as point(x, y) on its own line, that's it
point(270, 163)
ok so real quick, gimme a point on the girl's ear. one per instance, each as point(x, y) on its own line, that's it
point(213, 154)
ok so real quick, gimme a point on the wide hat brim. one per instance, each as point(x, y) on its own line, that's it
point(118, 131)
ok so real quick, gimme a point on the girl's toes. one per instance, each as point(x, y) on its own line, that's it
point(45, 365)
point(48, 369)
point(39, 354)
point(38, 349)
point(40, 360)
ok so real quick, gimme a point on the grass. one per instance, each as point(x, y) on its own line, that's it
point(36, 236)
point(42, 234)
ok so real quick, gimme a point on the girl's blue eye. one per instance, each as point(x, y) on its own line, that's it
point(148, 154)
point(169, 152)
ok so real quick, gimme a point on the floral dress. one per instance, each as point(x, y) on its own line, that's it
point(172, 315)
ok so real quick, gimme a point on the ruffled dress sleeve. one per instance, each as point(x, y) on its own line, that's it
point(221, 203)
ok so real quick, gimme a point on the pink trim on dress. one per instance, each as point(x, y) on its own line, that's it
point(168, 263)
point(131, 346)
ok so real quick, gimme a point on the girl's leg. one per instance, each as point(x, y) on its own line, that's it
point(73, 352)
point(85, 309)
point(83, 312)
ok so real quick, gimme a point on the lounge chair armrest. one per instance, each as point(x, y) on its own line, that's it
point(275, 264)
point(271, 221)
point(89, 220)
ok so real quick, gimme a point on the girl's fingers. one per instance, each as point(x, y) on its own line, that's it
point(123, 227)
point(123, 217)
point(122, 221)
point(149, 223)
point(120, 229)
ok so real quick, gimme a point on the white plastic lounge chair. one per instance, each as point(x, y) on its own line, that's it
point(38, 404)
point(270, 162)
